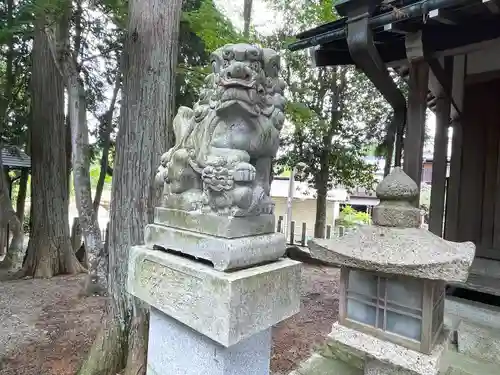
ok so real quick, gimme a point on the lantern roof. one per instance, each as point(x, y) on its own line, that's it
point(395, 243)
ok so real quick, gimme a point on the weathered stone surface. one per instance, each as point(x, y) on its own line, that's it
point(318, 365)
point(404, 251)
point(215, 225)
point(378, 368)
point(479, 342)
point(459, 364)
point(224, 253)
point(387, 214)
point(484, 277)
point(472, 312)
point(226, 307)
point(175, 349)
point(343, 353)
point(371, 348)
point(397, 186)
point(394, 244)
point(221, 161)
point(396, 193)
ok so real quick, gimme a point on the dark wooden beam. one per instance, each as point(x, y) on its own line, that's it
point(444, 80)
point(440, 158)
point(437, 39)
point(395, 28)
point(458, 86)
point(442, 16)
point(417, 105)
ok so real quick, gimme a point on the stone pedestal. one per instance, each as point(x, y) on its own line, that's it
point(174, 348)
point(204, 321)
point(227, 242)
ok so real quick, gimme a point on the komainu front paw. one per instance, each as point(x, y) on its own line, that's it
point(244, 172)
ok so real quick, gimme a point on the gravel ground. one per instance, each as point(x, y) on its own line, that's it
point(46, 328)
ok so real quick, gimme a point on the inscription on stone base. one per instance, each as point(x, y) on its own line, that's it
point(226, 307)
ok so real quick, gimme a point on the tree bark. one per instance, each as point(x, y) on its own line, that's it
point(247, 17)
point(107, 127)
point(149, 71)
point(21, 195)
point(76, 235)
point(49, 250)
point(14, 255)
point(96, 282)
point(321, 195)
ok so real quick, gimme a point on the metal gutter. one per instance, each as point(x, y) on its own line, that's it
point(366, 57)
point(406, 12)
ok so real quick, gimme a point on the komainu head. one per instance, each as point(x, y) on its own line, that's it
point(221, 161)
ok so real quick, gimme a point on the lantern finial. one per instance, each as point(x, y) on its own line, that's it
point(396, 193)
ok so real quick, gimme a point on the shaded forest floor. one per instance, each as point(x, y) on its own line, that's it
point(46, 327)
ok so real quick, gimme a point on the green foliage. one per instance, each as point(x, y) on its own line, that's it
point(211, 26)
point(349, 217)
point(15, 70)
point(333, 114)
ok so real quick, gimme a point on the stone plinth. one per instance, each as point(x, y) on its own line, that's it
point(177, 349)
point(370, 353)
point(215, 225)
point(224, 253)
point(225, 307)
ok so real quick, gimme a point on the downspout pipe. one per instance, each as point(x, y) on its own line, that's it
point(367, 58)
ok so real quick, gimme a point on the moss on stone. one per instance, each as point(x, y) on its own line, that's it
point(319, 365)
point(336, 350)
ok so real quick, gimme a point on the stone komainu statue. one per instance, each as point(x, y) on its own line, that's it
point(222, 159)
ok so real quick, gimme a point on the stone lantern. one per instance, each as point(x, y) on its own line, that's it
point(392, 286)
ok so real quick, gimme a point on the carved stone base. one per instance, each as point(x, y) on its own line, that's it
point(224, 253)
point(225, 307)
point(219, 226)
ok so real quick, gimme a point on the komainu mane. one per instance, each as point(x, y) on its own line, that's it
point(221, 161)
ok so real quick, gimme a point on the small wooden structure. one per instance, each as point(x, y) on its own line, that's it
point(449, 53)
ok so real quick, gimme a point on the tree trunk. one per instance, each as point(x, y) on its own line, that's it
point(14, 256)
point(97, 279)
point(21, 195)
point(49, 250)
point(247, 18)
point(8, 84)
point(107, 127)
point(320, 222)
point(149, 72)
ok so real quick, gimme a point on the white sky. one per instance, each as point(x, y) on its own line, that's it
point(264, 19)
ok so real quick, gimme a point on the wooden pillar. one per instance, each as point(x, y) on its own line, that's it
point(440, 158)
point(304, 234)
point(415, 126)
point(454, 181)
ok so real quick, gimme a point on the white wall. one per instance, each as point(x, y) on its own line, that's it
point(484, 60)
